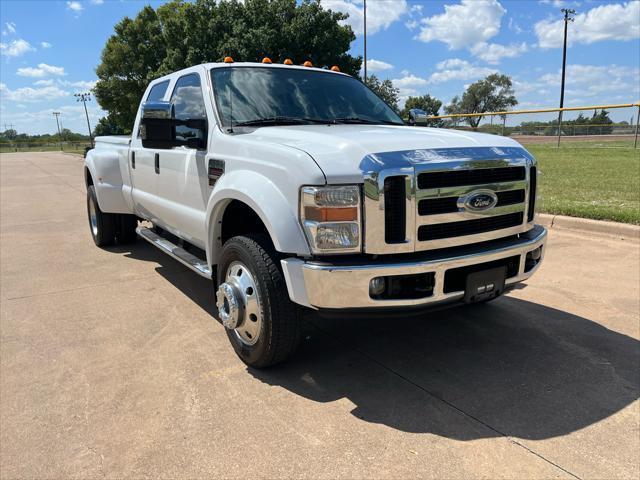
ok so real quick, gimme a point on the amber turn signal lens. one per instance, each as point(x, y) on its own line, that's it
point(228, 60)
point(308, 64)
point(288, 61)
point(318, 214)
point(266, 60)
point(335, 68)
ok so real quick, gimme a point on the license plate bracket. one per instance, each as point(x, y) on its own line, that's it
point(485, 285)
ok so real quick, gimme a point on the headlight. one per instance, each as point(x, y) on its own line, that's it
point(330, 217)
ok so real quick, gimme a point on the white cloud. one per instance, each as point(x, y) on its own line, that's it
point(45, 45)
point(10, 28)
point(29, 94)
point(15, 48)
point(39, 122)
point(378, 65)
point(464, 24)
point(81, 84)
point(410, 81)
point(618, 21)
point(457, 69)
point(380, 14)
point(591, 80)
point(41, 71)
point(494, 52)
point(97, 2)
point(560, 3)
point(75, 6)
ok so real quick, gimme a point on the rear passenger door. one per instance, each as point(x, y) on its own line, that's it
point(144, 179)
point(182, 180)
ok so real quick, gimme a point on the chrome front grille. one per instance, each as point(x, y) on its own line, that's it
point(419, 203)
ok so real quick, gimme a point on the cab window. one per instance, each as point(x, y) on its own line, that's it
point(188, 102)
point(156, 94)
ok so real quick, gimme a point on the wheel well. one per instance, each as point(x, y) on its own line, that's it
point(87, 177)
point(240, 219)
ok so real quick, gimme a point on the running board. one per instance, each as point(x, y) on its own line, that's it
point(180, 254)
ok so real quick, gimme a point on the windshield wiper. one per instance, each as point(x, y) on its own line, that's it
point(280, 121)
point(360, 120)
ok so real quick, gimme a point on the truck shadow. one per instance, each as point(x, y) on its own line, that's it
point(511, 367)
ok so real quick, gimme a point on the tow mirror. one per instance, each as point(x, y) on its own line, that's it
point(417, 115)
point(157, 127)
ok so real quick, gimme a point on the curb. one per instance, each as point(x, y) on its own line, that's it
point(586, 225)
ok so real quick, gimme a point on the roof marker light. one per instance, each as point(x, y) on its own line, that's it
point(266, 60)
point(288, 61)
point(228, 60)
point(335, 68)
point(308, 64)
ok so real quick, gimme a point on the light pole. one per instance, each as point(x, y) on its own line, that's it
point(57, 114)
point(365, 41)
point(568, 12)
point(84, 98)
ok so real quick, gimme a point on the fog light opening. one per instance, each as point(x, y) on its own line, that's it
point(533, 257)
point(377, 286)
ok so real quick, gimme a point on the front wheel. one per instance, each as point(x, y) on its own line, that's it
point(262, 323)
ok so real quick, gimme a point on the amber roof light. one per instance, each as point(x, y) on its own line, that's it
point(228, 60)
point(308, 64)
point(335, 68)
point(288, 61)
point(266, 60)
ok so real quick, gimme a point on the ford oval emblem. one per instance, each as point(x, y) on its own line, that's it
point(479, 201)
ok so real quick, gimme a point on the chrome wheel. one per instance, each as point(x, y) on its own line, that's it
point(93, 217)
point(239, 305)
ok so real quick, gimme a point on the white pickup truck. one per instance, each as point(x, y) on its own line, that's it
point(293, 187)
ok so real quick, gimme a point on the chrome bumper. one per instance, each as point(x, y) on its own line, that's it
point(333, 286)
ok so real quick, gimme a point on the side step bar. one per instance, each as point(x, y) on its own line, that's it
point(180, 254)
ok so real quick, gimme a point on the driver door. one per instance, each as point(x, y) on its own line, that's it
point(183, 186)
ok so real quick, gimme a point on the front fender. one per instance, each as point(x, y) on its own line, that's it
point(278, 212)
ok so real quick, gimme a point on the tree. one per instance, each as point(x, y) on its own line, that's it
point(180, 34)
point(492, 94)
point(10, 134)
point(427, 103)
point(107, 126)
point(385, 90)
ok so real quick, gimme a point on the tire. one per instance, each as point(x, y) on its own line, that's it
point(102, 225)
point(279, 318)
point(126, 228)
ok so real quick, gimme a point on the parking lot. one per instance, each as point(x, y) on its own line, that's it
point(112, 365)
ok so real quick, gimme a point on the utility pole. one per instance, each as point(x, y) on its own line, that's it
point(568, 12)
point(57, 114)
point(365, 41)
point(84, 98)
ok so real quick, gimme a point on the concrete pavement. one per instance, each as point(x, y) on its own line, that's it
point(112, 365)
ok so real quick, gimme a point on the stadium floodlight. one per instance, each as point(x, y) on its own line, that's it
point(568, 17)
point(84, 98)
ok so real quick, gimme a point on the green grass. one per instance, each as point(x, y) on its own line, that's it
point(582, 180)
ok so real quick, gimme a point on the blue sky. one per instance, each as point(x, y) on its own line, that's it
point(49, 50)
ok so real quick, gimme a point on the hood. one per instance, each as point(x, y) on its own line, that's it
point(339, 149)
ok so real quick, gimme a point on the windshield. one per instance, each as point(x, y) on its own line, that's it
point(286, 96)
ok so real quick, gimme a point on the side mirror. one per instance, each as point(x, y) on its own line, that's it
point(417, 115)
point(157, 127)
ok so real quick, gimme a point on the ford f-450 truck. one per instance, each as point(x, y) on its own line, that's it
point(294, 187)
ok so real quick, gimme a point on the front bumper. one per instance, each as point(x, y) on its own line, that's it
point(321, 285)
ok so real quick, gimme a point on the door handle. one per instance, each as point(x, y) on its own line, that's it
point(157, 163)
point(133, 159)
